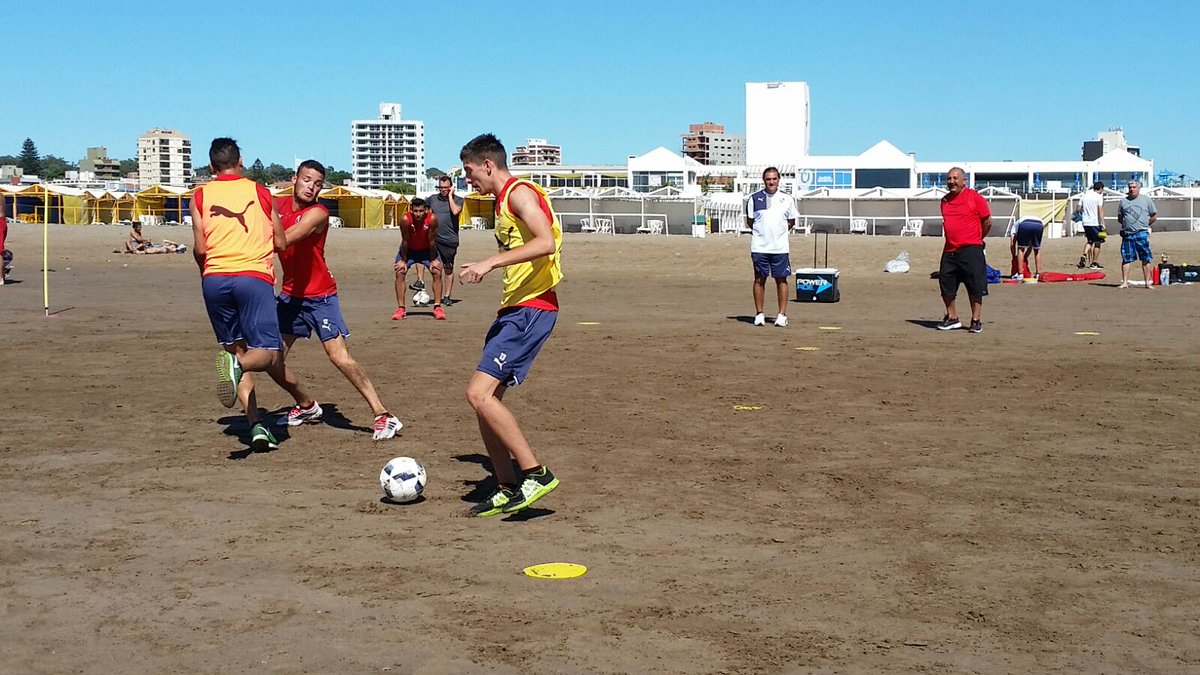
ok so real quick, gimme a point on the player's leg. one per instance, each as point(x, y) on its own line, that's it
point(948, 278)
point(400, 312)
point(245, 385)
point(1142, 245)
point(306, 410)
point(513, 342)
point(438, 312)
point(447, 253)
point(762, 269)
point(781, 269)
point(419, 284)
point(401, 291)
point(1127, 258)
point(974, 269)
point(1014, 250)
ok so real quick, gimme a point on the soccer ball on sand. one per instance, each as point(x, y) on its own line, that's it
point(421, 298)
point(402, 479)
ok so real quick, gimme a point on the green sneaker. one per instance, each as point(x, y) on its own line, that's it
point(229, 373)
point(262, 440)
point(493, 505)
point(534, 487)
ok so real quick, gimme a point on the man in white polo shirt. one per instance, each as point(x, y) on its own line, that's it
point(771, 215)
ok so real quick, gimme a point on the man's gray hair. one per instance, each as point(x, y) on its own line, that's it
point(1134, 182)
point(958, 169)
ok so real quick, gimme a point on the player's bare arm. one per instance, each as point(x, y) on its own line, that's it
point(525, 205)
point(313, 222)
point(198, 246)
point(277, 227)
point(455, 207)
point(985, 225)
point(401, 265)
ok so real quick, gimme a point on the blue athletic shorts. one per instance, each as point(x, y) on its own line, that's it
point(1136, 246)
point(1029, 235)
point(424, 257)
point(242, 308)
point(513, 341)
point(304, 316)
point(775, 265)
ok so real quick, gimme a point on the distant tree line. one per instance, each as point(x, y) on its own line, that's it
point(50, 167)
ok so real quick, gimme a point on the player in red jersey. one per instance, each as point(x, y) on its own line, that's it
point(308, 301)
point(417, 230)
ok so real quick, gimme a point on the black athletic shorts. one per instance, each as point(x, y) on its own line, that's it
point(1092, 233)
point(966, 266)
point(1029, 235)
point(446, 252)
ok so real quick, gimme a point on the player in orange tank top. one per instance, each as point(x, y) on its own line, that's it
point(309, 303)
point(236, 232)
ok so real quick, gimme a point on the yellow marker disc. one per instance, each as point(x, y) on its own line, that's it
point(555, 571)
point(808, 349)
point(830, 327)
point(1086, 332)
point(744, 408)
point(589, 323)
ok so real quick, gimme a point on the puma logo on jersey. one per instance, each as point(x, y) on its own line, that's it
point(217, 210)
point(499, 360)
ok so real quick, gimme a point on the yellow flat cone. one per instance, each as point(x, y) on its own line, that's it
point(555, 571)
point(808, 349)
point(830, 327)
point(744, 408)
point(589, 323)
point(1086, 332)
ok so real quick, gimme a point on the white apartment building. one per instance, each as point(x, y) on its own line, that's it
point(537, 152)
point(777, 122)
point(387, 150)
point(164, 158)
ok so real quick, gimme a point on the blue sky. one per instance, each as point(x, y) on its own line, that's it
point(966, 81)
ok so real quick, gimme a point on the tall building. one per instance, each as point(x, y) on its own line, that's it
point(537, 152)
point(100, 165)
point(387, 149)
point(708, 143)
point(777, 122)
point(164, 158)
point(1113, 139)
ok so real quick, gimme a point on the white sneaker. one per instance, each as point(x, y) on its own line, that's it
point(386, 426)
point(297, 416)
point(781, 320)
point(760, 319)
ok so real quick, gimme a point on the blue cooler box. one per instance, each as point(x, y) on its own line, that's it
point(817, 284)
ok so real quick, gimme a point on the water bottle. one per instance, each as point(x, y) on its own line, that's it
point(903, 256)
point(1164, 276)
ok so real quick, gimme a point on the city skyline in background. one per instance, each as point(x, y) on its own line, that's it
point(606, 83)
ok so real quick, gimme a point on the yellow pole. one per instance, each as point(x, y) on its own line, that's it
point(46, 267)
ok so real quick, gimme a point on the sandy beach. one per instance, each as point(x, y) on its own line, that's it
point(880, 497)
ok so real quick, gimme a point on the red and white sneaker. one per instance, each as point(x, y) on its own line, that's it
point(400, 314)
point(297, 416)
point(386, 426)
point(439, 313)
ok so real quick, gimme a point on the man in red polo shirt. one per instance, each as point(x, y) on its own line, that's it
point(966, 220)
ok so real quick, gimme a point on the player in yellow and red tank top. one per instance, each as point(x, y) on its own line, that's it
point(236, 233)
point(308, 302)
point(530, 237)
